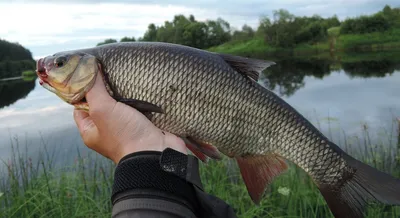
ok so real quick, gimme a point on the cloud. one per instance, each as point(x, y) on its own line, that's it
point(46, 28)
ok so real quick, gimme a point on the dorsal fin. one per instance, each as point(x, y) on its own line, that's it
point(249, 67)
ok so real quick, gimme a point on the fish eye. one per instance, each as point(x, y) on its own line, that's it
point(60, 61)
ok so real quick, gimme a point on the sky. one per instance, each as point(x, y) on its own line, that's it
point(46, 28)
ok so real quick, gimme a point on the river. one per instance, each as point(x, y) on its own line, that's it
point(338, 95)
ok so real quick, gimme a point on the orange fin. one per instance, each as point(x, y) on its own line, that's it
point(259, 171)
point(207, 149)
point(196, 152)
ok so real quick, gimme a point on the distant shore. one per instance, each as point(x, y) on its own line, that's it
point(371, 42)
point(11, 78)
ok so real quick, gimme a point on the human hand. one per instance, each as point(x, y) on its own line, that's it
point(114, 129)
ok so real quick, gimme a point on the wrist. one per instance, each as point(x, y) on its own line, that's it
point(149, 175)
point(174, 142)
point(152, 144)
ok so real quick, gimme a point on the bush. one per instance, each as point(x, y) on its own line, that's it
point(28, 73)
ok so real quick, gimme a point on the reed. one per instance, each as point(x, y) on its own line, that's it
point(82, 189)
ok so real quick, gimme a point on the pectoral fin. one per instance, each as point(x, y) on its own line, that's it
point(142, 106)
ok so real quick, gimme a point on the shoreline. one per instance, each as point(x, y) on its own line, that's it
point(339, 44)
point(11, 78)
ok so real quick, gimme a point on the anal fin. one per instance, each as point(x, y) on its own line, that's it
point(197, 152)
point(201, 148)
point(259, 171)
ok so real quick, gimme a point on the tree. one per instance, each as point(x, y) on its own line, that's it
point(378, 22)
point(127, 39)
point(14, 59)
point(188, 31)
point(245, 34)
point(107, 41)
point(151, 34)
point(218, 32)
point(13, 51)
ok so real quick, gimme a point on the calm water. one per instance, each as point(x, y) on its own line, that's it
point(351, 93)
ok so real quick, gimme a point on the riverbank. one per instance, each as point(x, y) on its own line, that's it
point(373, 42)
point(82, 189)
point(10, 79)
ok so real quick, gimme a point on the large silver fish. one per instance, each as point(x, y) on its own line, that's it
point(213, 101)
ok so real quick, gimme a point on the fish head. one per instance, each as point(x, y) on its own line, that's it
point(70, 75)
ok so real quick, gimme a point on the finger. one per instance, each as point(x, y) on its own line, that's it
point(87, 128)
point(99, 100)
point(82, 120)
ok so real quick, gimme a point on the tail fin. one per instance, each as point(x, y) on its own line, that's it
point(366, 184)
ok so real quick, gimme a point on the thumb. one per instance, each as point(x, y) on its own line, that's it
point(87, 128)
point(99, 100)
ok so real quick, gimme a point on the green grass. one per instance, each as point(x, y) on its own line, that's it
point(245, 48)
point(320, 46)
point(389, 40)
point(28, 73)
point(378, 41)
point(356, 57)
point(39, 189)
point(257, 47)
point(334, 31)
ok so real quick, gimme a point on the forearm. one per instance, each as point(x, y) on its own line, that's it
point(142, 188)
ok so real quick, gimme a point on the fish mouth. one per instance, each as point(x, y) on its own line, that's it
point(42, 72)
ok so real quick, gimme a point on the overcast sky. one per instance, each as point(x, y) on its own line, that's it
point(46, 28)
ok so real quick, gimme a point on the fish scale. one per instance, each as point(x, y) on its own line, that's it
point(150, 67)
point(213, 101)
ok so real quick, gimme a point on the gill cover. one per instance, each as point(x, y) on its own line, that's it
point(70, 75)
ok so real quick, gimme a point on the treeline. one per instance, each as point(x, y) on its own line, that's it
point(14, 59)
point(379, 22)
point(185, 31)
point(283, 30)
point(15, 68)
point(13, 52)
point(286, 30)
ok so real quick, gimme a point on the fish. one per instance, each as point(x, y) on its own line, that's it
point(215, 103)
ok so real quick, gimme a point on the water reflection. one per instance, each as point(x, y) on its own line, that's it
point(370, 68)
point(316, 87)
point(36, 119)
point(13, 90)
point(287, 76)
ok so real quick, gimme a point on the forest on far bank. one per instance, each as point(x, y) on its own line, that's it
point(14, 59)
point(284, 30)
